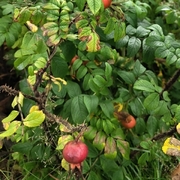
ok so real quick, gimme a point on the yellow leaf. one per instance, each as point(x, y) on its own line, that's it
point(31, 26)
point(33, 108)
point(171, 146)
point(63, 128)
point(118, 107)
point(178, 128)
point(65, 164)
point(34, 119)
point(63, 140)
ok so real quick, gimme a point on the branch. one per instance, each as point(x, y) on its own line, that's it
point(51, 117)
point(171, 81)
point(156, 138)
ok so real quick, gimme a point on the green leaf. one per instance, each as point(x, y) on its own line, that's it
point(34, 119)
point(155, 41)
point(22, 62)
point(93, 86)
point(134, 45)
point(11, 129)
point(108, 126)
point(108, 70)
point(23, 147)
point(59, 66)
point(122, 42)
point(10, 39)
point(80, 4)
point(107, 108)
point(143, 159)
point(25, 15)
point(99, 81)
point(140, 126)
point(171, 17)
point(78, 110)
point(86, 79)
point(2, 38)
point(82, 23)
point(146, 144)
point(99, 140)
point(144, 85)
point(128, 77)
point(40, 63)
point(94, 5)
point(171, 58)
point(81, 72)
point(51, 6)
point(90, 133)
point(29, 41)
point(142, 32)
point(117, 175)
point(93, 176)
point(130, 30)
point(110, 150)
point(119, 30)
point(162, 52)
point(105, 162)
point(157, 28)
point(137, 107)
point(91, 102)
point(151, 102)
point(11, 116)
point(118, 133)
point(110, 26)
point(138, 68)
point(152, 125)
point(73, 89)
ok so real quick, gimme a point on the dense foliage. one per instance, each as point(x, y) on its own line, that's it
point(83, 70)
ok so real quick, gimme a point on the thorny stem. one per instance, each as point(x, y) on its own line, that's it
point(40, 73)
point(171, 81)
point(156, 138)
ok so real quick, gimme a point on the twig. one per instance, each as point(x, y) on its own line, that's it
point(51, 117)
point(171, 81)
point(155, 138)
point(164, 134)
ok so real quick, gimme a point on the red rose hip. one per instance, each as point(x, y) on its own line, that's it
point(75, 152)
point(106, 3)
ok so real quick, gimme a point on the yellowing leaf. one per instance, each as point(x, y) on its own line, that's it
point(178, 128)
point(11, 116)
point(63, 140)
point(11, 129)
point(93, 43)
point(65, 164)
point(63, 128)
point(123, 147)
point(31, 26)
point(33, 108)
point(171, 146)
point(34, 119)
point(110, 150)
point(118, 107)
point(31, 79)
point(18, 100)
